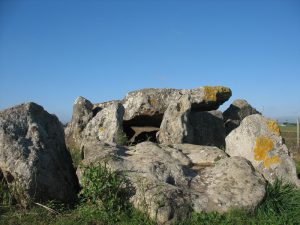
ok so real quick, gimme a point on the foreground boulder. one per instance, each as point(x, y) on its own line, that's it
point(231, 184)
point(168, 184)
point(149, 105)
point(154, 173)
point(258, 140)
point(236, 112)
point(82, 114)
point(33, 156)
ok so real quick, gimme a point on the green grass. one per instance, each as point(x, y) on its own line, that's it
point(288, 128)
point(106, 189)
point(82, 214)
point(104, 200)
point(281, 199)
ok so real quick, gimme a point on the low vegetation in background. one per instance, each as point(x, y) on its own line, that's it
point(104, 200)
point(289, 133)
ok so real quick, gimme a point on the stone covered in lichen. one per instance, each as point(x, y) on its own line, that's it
point(263, 146)
point(273, 127)
point(258, 140)
point(213, 93)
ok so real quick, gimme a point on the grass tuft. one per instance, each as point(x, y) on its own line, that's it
point(281, 199)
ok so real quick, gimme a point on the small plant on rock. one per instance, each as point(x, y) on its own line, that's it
point(105, 188)
point(6, 198)
point(121, 138)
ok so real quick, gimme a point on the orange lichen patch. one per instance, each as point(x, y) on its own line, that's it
point(272, 160)
point(210, 93)
point(273, 127)
point(263, 146)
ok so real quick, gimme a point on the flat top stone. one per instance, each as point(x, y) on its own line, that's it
point(153, 101)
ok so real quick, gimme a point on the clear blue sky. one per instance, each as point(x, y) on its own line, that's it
point(53, 51)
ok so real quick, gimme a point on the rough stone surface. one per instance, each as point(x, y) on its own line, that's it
point(231, 183)
point(175, 127)
point(182, 125)
point(107, 125)
point(97, 107)
point(258, 140)
point(237, 111)
point(153, 103)
point(155, 177)
point(33, 156)
point(208, 128)
point(167, 187)
point(82, 114)
point(201, 156)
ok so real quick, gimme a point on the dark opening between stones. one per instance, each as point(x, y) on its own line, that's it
point(142, 128)
point(144, 121)
point(96, 110)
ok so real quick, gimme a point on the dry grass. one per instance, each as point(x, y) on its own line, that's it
point(289, 133)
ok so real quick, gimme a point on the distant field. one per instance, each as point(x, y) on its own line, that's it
point(289, 133)
point(289, 128)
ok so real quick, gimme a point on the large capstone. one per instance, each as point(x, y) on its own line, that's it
point(148, 105)
point(33, 156)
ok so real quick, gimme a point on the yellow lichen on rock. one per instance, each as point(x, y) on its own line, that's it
point(263, 146)
point(271, 160)
point(273, 127)
point(210, 92)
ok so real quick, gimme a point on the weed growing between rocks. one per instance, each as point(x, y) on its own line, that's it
point(121, 138)
point(6, 198)
point(76, 157)
point(106, 189)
